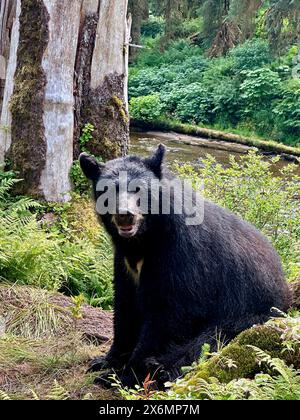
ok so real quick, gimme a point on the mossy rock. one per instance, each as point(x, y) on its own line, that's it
point(238, 359)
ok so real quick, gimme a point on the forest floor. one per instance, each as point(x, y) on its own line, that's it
point(47, 341)
point(46, 344)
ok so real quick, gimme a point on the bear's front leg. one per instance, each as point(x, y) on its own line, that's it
point(126, 322)
point(144, 360)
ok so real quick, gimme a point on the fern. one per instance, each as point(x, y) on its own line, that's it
point(4, 396)
point(58, 393)
point(277, 365)
point(35, 397)
point(33, 255)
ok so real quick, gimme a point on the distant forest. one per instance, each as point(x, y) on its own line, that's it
point(223, 63)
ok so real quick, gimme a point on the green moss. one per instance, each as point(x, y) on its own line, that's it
point(105, 110)
point(28, 150)
point(238, 359)
point(119, 103)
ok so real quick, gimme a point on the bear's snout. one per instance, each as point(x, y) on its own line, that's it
point(127, 218)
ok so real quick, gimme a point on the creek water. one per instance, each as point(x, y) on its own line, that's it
point(190, 149)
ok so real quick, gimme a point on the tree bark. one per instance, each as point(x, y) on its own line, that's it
point(66, 67)
point(140, 12)
point(9, 38)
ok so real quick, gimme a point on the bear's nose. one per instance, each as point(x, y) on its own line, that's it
point(125, 219)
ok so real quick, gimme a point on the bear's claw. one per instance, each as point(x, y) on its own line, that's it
point(98, 364)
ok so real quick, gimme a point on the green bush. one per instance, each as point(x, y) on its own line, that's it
point(176, 53)
point(251, 55)
point(153, 27)
point(249, 188)
point(146, 108)
point(259, 89)
point(248, 89)
point(192, 26)
point(195, 104)
point(227, 102)
point(80, 182)
point(149, 81)
point(287, 110)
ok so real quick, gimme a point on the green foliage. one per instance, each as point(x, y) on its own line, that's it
point(177, 52)
point(34, 254)
point(76, 309)
point(227, 102)
point(153, 27)
point(260, 88)
point(246, 90)
point(86, 136)
point(277, 386)
point(146, 108)
point(251, 55)
point(80, 183)
point(195, 104)
point(149, 81)
point(249, 188)
point(4, 396)
point(58, 393)
point(288, 109)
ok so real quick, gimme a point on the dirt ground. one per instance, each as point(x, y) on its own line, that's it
point(45, 349)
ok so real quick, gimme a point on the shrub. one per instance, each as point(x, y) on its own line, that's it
point(287, 110)
point(192, 26)
point(251, 55)
point(153, 27)
point(249, 188)
point(176, 53)
point(149, 81)
point(146, 108)
point(195, 104)
point(79, 181)
point(227, 101)
point(259, 88)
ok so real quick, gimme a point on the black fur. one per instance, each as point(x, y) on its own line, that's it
point(222, 276)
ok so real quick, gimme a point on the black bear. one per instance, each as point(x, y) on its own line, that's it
point(177, 285)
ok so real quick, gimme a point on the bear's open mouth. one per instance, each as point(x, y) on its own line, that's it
point(128, 231)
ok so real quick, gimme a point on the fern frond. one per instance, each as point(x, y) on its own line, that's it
point(277, 365)
point(58, 393)
point(35, 397)
point(4, 396)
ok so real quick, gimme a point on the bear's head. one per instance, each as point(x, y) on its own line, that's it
point(124, 190)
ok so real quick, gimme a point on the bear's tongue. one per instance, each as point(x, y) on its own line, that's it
point(126, 228)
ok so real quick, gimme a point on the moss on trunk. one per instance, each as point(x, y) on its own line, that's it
point(28, 149)
point(105, 108)
point(84, 57)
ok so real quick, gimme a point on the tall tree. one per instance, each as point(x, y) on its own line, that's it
point(283, 23)
point(7, 21)
point(63, 56)
point(228, 22)
point(140, 12)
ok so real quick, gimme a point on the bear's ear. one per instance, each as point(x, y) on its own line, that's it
point(155, 162)
point(90, 167)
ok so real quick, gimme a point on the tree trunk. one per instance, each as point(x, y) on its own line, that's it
point(67, 67)
point(139, 11)
point(9, 38)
